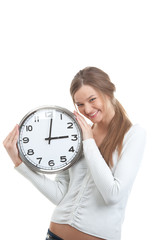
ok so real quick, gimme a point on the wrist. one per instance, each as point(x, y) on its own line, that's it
point(17, 162)
point(87, 135)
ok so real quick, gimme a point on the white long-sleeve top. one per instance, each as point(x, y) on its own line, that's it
point(89, 195)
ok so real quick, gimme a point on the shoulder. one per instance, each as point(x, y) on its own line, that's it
point(136, 129)
point(136, 133)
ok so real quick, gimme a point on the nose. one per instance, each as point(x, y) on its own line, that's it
point(87, 108)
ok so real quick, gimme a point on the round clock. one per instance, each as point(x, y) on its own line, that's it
point(50, 139)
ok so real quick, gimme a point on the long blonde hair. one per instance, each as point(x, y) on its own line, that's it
point(120, 123)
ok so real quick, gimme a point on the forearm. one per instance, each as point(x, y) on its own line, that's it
point(101, 173)
point(113, 186)
point(53, 190)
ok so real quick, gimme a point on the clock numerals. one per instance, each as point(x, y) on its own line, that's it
point(63, 159)
point(49, 114)
point(25, 140)
point(29, 128)
point(30, 152)
point(70, 125)
point(71, 149)
point(51, 163)
point(75, 137)
point(39, 160)
point(36, 118)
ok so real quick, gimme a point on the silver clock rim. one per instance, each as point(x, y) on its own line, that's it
point(50, 171)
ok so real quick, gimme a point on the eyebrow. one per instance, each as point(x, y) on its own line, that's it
point(87, 98)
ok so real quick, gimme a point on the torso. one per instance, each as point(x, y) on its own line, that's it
point(68, 232)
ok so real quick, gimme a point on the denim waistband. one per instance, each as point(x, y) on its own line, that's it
point(52, 236)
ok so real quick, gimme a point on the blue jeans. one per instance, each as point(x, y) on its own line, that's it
point(52, 236)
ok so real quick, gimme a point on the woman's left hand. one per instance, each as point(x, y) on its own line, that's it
point(86, 128)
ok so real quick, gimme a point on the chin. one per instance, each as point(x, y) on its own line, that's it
point(95, 120)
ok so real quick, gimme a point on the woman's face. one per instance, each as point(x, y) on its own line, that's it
point(92, 105)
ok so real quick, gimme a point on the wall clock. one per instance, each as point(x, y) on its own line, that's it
point(50, 139)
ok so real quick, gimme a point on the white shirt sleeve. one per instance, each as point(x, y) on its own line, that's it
point(113, 186)
point(54, 190)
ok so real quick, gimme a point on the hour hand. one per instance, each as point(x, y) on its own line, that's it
point(53, 138)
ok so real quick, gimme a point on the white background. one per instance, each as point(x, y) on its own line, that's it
point(43, 44)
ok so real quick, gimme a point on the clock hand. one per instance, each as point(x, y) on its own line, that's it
point(60, 137)
point(50, 130)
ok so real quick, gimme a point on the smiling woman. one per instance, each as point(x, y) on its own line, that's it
point(91, 195)
point(93, 92)
point(93, 107)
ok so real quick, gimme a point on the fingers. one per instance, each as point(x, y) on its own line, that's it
point(10, 144)
point(12, 137)
point(80, 119)
point(86, 128)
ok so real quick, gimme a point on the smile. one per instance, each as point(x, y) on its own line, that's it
point(93, 114)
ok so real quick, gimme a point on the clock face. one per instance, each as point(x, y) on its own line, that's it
point(50, 139)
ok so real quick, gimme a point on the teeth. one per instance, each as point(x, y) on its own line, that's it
point(93, 114)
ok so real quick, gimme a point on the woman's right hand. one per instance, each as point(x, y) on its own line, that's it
point(10, 144)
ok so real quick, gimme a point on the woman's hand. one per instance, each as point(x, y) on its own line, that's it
point(86, 128)
point(10, 144)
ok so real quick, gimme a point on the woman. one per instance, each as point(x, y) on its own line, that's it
point(91, 195)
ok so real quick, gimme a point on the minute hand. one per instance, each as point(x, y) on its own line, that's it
point(50, 130)
point(53, 138)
